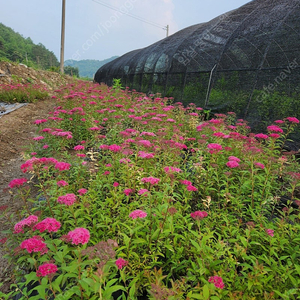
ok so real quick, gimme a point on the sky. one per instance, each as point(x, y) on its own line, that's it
point(95, 31)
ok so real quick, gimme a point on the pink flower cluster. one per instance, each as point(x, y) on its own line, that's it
point(233, 162)
point(260, 165)
point(274, 128)
point(34, 244)
point(82, 191)
point(198, 215)
point(191, 188)
point(234, 158)
point(67, 199)
point(40, 121)
point(214, 148)
point(79, 236)
point(261, 136)
point(95, 128)
point(78, 148)
point(172, 169)
point(46, 269)
point(120, 263)
point(3, 207)
point(217, 281)
point(62, 166)
point(270, 232)
point(124, 160)
point(279, 122)
point(38, 138)
point(66, 134)
point(274, 135)
point(28, 165)
point(216, 121)
point(293, 120)
point(189, 185)
point(31, 220)
point(3, 241)
point(186, 182)
point(144, 154)
point(49, 224)
point(127, 192)
point(62, 183)
point(143, 192)
point(147, 133)
point(115, 148)
point(18, 182)
point(138, 214)
point(151, 180)
point(144, 143)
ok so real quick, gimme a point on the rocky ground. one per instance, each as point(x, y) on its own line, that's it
point(16, 132)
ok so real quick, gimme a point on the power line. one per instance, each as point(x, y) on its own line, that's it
point(133, 16)
point(130, 15)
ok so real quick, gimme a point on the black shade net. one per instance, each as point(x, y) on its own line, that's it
point(246, 60)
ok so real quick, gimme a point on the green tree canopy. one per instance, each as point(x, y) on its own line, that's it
point(15, 47)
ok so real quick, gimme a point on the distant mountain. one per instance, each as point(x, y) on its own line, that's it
point(88, 67)
point(14, 47)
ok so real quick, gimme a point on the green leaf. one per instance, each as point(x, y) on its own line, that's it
point(57, 282)
point(139, 241)
point(108, 292)
point(297, 268)
point(71, 268)
point(244, 241)
point(78, 213)
point(67, 295)
point(206, 292)
point(194, 296)
point(41, 291)
point(292, 292)
point(30, 277)
point(196, 245)
point(155, 234)
point(85, 286)
point(111, 282)
point(278, 293)
point(132, 292)
point(126, 239)
point(31, 261)
point(59, 257)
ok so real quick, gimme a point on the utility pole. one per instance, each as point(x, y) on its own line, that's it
point(167, 28)
point(62, 45)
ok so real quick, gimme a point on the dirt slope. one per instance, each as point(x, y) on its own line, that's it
point(18, 73)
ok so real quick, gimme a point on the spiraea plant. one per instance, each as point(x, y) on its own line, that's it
point(143, 198)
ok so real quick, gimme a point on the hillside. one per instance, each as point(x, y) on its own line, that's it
point(13, 73)
point(88, 67)
point(16, 48)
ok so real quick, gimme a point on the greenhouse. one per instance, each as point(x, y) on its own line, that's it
point(246, 60)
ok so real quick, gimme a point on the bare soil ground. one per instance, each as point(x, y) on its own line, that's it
point(16, 132)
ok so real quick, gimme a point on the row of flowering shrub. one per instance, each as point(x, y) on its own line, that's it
point(142, 198)
point(22, 93)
